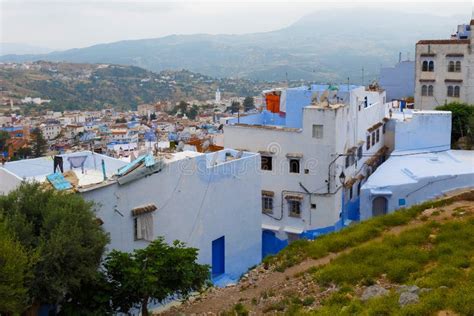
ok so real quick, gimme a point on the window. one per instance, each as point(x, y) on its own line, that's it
point(266, 162)
point(377, 135)
point(383, 128)
point(367, 143)
point(457, 91)
point(317, 131)
point(359, 153)
point(351, 193)
point(458, 66)
point(424, 90)
point(294, 208)
point(451, 66)
point(402, 202)
point(143, 227)
point(267, 203)
point(424, 66)
point(430, 90)
point(431, 66)
point(358, 188)
point(450, 91)
point(373, 138)
point(294, 166)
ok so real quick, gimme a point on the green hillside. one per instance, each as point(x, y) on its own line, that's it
point(94, 86)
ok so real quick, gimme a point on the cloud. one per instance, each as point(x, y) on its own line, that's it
point(72, 23)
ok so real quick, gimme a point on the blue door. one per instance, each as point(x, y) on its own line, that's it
point(218, 256)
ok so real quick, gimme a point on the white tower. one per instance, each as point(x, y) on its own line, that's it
point(218, 96)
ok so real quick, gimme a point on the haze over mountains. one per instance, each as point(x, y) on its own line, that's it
point(326, 46)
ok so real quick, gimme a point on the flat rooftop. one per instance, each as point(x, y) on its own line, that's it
point(88, 171)
point(408, 167)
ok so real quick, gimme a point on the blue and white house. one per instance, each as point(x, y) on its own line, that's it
point(209, 201)
point(421, 167)
point(317, 145)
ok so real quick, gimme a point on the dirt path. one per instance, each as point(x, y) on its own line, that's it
point(263, 283)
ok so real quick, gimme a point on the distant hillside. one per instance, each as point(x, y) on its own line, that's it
point(324, 46)
point(93, 86)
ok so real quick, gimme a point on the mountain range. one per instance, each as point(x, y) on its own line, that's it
point(326, 46)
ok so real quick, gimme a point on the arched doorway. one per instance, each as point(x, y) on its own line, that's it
point(379, 206)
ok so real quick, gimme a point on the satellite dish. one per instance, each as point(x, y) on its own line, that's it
point(205, 145)
point(324, 96)
point(315, 97)
point(180, 146)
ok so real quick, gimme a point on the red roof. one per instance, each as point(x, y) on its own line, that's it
point(441, 42)
point(472, 22)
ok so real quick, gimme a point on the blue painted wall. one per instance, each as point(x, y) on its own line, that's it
point(271, 244)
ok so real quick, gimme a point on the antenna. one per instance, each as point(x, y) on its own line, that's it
point(363, 76)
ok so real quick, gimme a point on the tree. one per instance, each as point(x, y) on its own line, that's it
point(121, 120)
point(4, 136)
point(60, 229)
point(153, 274)
point(193, 112)
point(14, 273)
point(248, 104)
point(38, 143)
point(153, 116)
point(461, 115)
point(234, 107)
point(22, 153)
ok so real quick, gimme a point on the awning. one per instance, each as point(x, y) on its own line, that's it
point(143, 209)
point(292, 230)
point(268, 193)
point(270, 227)
point(294, 196)
point(380, 192)
point(294, 155)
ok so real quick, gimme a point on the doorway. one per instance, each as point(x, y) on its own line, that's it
point(379, 206)
point(218, 256)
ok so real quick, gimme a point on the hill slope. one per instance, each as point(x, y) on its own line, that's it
point(416, 261)
point(93, 86)
point(324, 46)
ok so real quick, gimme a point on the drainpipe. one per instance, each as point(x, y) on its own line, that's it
point(103, 170)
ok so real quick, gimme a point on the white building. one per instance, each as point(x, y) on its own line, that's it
point(445, 70)
point(308, 138)
point(421, 167)
point(210, 201)
point(50, 131)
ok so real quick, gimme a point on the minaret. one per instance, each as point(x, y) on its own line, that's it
point(218, 96)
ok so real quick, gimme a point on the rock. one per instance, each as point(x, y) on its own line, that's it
point(425, 290)
point(373, 291)
point(191, 299)
point(408, 298)
point(408, 288)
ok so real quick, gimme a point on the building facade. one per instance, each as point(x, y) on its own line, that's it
point(445, 70)
point(317, 145)
point(209, 201)
point(421, 166)
point(398, 81)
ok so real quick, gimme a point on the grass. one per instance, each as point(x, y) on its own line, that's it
point(352, 236)
point(444, 267)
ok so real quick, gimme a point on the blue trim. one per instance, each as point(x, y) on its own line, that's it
point(314, 233)
point(271, 244)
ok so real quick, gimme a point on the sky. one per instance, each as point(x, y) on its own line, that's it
point(63, 24)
